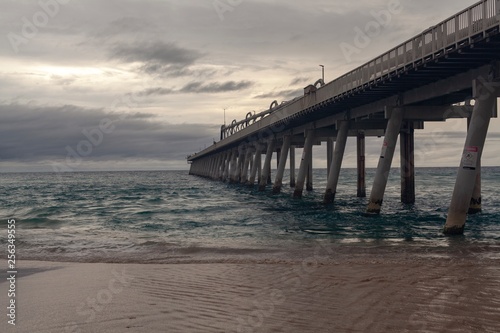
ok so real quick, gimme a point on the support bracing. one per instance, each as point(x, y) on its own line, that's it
point(385, 161)
point(336, 163)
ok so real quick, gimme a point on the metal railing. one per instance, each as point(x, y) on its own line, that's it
point(440, 39)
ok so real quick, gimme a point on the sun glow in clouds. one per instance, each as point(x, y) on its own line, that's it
point(69, 71)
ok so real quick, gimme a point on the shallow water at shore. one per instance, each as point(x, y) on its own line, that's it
point(173, 217)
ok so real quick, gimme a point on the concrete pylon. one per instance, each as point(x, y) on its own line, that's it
point(220, 169)
point(215, 169)
point(266, 169)
point(309, 177)
point(246, 165)
point(304, 163)
point(292, 166)
point(278, 182)
point(475, 202)
point(242, 152)
point(407, 149)
point(360, 147)
point(486, 98)
point(233, 166)
point(385, 161)
point(336, 163)
point(329, 154)
point(227, 165)
point(255, 165)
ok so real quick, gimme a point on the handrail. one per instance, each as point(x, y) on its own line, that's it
point(435, 40)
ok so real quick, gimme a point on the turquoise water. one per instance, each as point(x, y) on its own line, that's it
point(169, 216)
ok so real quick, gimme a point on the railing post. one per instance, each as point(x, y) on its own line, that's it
point(470, 23)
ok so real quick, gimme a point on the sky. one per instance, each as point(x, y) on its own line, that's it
point(139, 85)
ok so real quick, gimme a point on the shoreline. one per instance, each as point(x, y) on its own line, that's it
point(432, 294)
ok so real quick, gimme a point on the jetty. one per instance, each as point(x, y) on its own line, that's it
point(450, 70)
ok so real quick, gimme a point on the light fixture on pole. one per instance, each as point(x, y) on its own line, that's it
point(225, 115)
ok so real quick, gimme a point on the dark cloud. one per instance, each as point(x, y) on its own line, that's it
point(30, 134)
point(199, 87)
point(156, 91)
point(175, 71)
point(215, 87)
point(93, 51)
point(155, 54)
point(299, 80)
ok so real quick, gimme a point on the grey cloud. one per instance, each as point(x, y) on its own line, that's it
point(215, 87)
point(155, 53)
point(156, 91)
point(299, 80)
point(199, 87)
point(126, 25)
point(30, 134)
point(175, 71)
point(287, 94)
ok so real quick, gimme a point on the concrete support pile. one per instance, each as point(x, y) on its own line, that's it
point(244, 164)
point(278, 183)
point(407, 146)
point(385, 161)
point(336, 163)
point(486, 98)
point(360, 147)
point(304, 164)
point(266, 169)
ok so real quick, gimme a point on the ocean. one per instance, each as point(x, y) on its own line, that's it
point(172, 217)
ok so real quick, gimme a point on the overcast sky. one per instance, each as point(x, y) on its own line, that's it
point(146, 82)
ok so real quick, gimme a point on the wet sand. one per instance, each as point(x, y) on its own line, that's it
point(421, 295)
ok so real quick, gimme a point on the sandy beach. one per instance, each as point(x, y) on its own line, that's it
point(424, 295)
